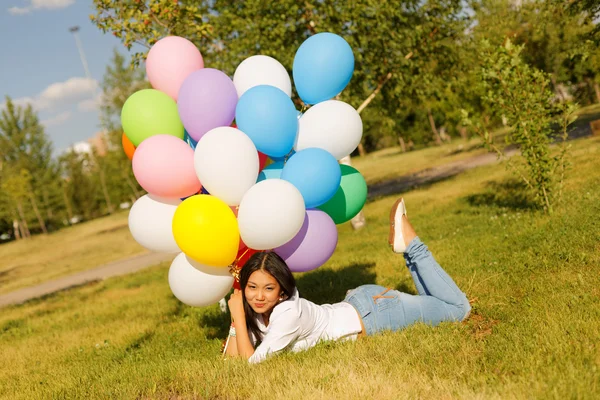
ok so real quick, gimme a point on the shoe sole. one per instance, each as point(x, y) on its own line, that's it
point(392, 234)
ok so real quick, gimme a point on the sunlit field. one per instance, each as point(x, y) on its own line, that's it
point(533, 280)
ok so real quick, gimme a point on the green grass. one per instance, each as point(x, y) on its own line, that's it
point(391, 162)
point(534, 331)
point(73, 249)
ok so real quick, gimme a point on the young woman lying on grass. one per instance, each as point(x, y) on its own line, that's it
point(269, 316)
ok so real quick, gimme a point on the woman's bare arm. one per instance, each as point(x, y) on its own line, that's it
point(231, 350)
point(242, 338)
point(244, 345)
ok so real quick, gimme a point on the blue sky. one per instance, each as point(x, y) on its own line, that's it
point(40, 64)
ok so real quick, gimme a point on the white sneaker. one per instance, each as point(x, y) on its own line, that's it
point(396, 239)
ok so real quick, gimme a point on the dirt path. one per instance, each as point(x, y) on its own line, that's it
point(133, 264)
point(431, 175)
point(116, 268)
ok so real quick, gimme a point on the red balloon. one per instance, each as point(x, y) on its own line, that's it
point(242, 258)
point(262, 160)
point(242, 246)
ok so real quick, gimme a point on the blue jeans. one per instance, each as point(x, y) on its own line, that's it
point(439, 298)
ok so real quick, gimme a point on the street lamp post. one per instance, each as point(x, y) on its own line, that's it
point(75, 31)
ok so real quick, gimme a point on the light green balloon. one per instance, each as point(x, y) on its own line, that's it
point(349, 198)
point(150, 112)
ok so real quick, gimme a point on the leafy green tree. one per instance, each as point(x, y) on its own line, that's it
point(590, 10)
point(26, 152)
point(520, 93)
point(81, 187)
point(119, 82)
point(554, 33)
point(144, 22)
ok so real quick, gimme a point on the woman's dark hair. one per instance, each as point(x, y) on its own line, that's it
point(274, 265)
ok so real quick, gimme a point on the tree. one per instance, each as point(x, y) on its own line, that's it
point(120, 81)
point(554, 34)
point(520, 93)
point(28, 167)
point(590, 9)
point(81, 193)
point(144, 22)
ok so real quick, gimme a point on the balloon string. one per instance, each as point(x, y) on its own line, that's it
point(243, 254)
point(287, 156)
point(234, 270)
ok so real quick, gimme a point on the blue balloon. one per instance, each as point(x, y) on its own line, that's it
point(203, 191)
point(315, 173)
point(271, 171)
point(323, 66)
point(188, 139)
point(268, 116)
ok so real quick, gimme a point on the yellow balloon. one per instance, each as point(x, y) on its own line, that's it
point(206, 230)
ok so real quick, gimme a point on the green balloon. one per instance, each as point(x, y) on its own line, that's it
point(150, 112)
point(349, 198)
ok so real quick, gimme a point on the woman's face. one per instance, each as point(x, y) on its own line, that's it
point(262, 292)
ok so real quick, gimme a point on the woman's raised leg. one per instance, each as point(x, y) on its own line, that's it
point(431, 281)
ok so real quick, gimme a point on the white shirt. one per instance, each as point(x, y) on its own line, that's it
point(298, 324)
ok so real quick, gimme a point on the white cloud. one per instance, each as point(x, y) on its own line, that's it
point(19, 10)
point(40, 5)
point(90, 104)
point(58, 119)
point(22, 101)
point(68, 92)
point(81, 148)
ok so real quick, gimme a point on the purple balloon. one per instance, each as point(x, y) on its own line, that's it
point(206, 100)
point(313, 245)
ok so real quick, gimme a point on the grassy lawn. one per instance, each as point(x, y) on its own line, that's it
point(391, 162)
point(534, 331)
point(70, 250)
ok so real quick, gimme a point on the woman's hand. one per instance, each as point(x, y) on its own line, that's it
point(236, 306)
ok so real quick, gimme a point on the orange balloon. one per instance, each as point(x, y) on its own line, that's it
point(128, 147)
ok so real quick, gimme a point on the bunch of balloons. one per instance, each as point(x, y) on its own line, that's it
point(210, 196)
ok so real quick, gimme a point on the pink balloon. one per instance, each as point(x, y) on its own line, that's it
point(170, 61)
point(164, 166)
point(313, 245)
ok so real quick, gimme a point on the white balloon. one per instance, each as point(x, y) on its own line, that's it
point(261, 70)
point(198, 285)
point(226, 163)
point(270, 214)
point(331, 125)
point(150, 220)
